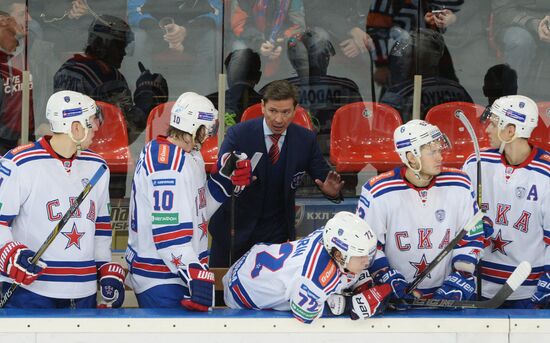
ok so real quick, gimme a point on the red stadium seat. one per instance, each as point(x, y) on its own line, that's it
point(443, 116)
point(301, 118)
point(362, 133)
point(158, 122)
point(111, 140)
point(541, 135)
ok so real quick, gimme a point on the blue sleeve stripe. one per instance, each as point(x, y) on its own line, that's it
point(179, 241)
point(172, 228)
point(103, 219)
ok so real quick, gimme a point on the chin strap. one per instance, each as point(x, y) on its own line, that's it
point(79, 142)
point(503, 142)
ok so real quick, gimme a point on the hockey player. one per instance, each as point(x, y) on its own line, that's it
point(170, 205)
point(32, 204)
point(415, 210)
point(516, 198)
point(301, 275)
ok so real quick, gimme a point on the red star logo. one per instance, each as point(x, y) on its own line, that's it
point(176, 261)
point(204, 227)
point(498, 243)
point(420, 266)
point(74, 237)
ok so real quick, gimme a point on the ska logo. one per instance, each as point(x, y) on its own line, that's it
point(520, 192)
point(297, 179)
point(367, 113)
point(85, 181)
point(440, 215)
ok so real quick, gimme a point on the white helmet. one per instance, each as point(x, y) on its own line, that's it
point(518, 110)
point(65, 107)
point(191, 111)
point(413, 135)
point(351, 235)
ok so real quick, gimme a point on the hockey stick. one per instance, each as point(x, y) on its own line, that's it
point(515, 280)
point(462, 117)
point(472, 225)
point(72, 209)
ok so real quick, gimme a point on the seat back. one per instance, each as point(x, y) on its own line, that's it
point(541, 134)
point(443, 116)
point(111, 140)
point(301, 116)
point(158, 123)
point(366, 130)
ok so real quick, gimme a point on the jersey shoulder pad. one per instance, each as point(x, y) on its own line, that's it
point(384, 177)
point(541, 161)
point(26, 153)
point(453, 177)
point(321, 269)
point(162, 155)
point(88, 155)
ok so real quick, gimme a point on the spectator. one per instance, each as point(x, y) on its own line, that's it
point(244, 70)
point(264, 212)
point(394, 21)
point(95, 73)
point(436, 89)
point(11, 95)
point(522, 28)
point(320, 93)
point(500, 80)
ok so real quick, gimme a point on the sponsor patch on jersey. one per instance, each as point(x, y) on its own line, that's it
point(515, 115)
point(206, 116)
point(164, 151)
point(477, 229)
point(20, 148)
point(381, 176)
point(545, 157)
point(72, 112)
point(440, 215)
point(343, 246)
point(164, 182)
point(327, 274)
point(4, 170)
point(165, 218)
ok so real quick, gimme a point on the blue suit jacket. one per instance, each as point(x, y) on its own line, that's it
point(303, 156)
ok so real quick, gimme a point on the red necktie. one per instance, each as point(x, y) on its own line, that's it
point(274, 150)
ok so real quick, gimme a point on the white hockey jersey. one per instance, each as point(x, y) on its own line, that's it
point(414, 224)
point(297, 276)
point(517, 200)
point(170, 204)
point(36, 190)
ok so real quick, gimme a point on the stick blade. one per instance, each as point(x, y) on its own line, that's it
point(519, 275)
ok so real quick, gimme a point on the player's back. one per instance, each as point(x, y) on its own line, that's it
point(268, 274)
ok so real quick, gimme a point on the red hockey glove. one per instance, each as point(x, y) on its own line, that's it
point(111, 282)
point(200, 282)
point(15, 262)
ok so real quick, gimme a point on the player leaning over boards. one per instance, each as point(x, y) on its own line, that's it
point(40, 181)
point(415, 211)
point(516, 198)
point(301, 275)
point(170, 204)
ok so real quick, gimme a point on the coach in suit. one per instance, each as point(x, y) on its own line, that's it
point(264, 211)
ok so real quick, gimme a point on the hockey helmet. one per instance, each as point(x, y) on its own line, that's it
point(65, 107)
point(351, 235)
point(413, 135)
point(191, 111)
point(108, 27)
point(518, 110)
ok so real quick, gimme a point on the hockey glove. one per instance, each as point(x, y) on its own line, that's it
point(488, 231)
point(370, 302)
point(111, 283)
point(336, 303)
point(151, 90)
point(200, 282)
point(457, 286)
point(15, 262)
point(395, 280)
point(542, 295)
point(234, 167)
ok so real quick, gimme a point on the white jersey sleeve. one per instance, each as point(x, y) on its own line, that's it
point(11, 194)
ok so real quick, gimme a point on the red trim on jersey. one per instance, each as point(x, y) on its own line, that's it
point(546, 240)
point(172, 235)
point(505, 274)
point(151, 267)
point(70, 271)
point(402, 174)
point(237, 291)
point(523, 164)
point(45, 143)
point(386, 184)
point(313, 262)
